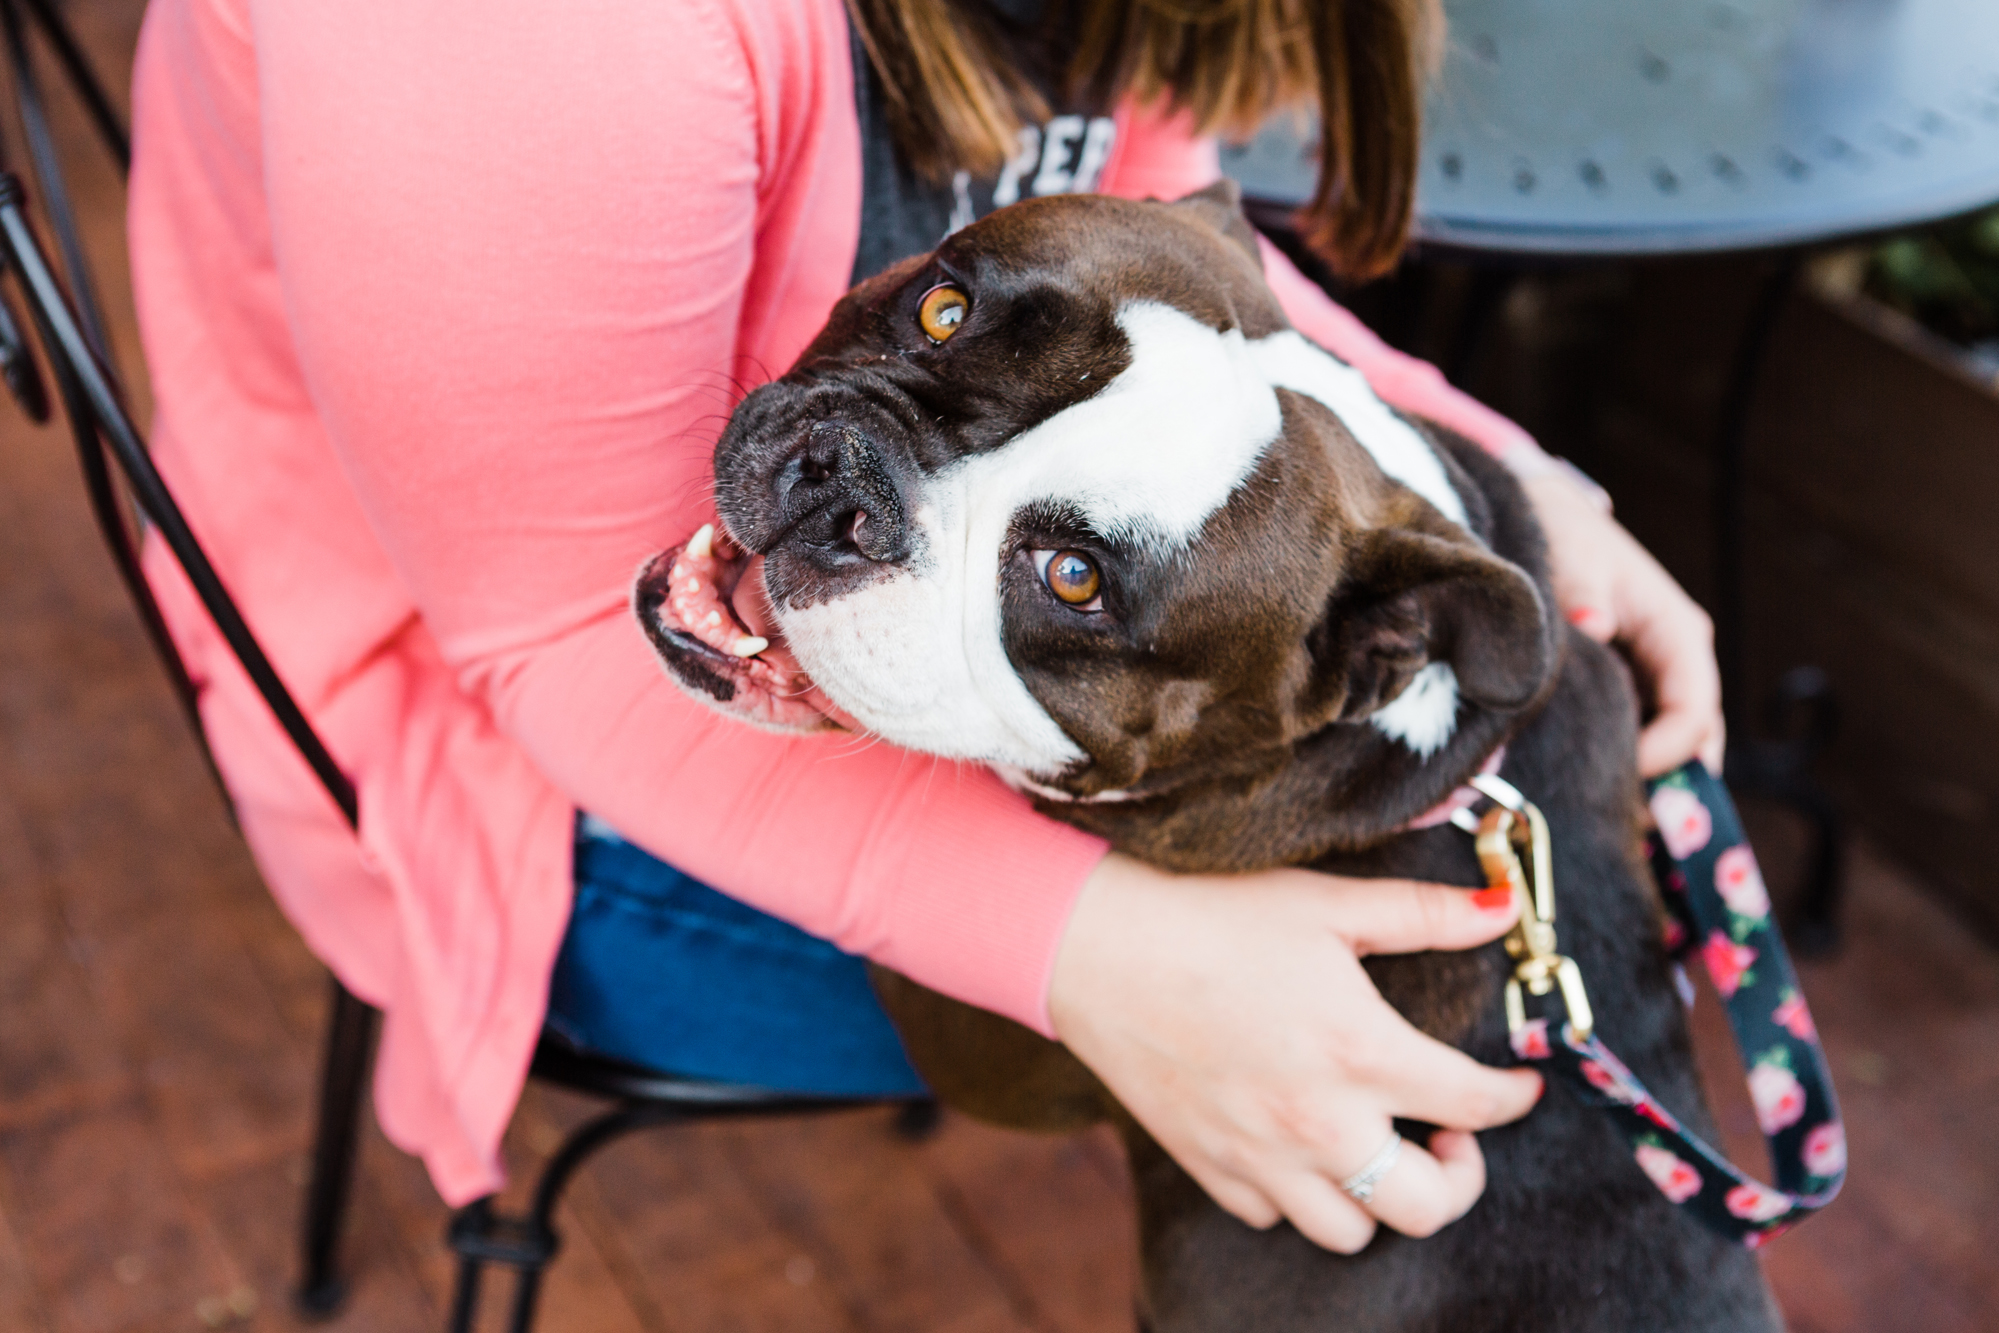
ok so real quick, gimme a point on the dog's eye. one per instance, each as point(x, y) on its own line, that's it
point(1073, 578)
point(943, 310)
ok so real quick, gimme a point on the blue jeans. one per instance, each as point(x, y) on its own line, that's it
point(662, 971)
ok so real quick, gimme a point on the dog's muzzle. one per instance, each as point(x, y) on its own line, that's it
point(832, 501)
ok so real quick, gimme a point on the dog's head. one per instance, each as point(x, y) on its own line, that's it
point(1068, 496)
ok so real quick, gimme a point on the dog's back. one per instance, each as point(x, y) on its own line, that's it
point(1569, 1234)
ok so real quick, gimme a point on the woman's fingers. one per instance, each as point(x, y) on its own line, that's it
point(1714, 750)
point(1421, 1193)
point(1611, 588)
point(1423, 1079)
point(1588, 613)
point(1247, 1203)
point(1426, 1191)
point(1405, 916)
point(1324, 1214)
point(1672, 642)
point(1677, 735)
point(1232, 1018)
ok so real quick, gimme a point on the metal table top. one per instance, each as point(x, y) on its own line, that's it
point(1674, 126)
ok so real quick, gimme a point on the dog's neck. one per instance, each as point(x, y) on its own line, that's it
point(1349, 785)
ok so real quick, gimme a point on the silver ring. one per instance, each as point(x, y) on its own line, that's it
point(1360, 1185)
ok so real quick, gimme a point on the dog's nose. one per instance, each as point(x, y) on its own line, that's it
point(839, 500)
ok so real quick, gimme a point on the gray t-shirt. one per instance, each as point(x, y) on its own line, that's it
point(903, 215)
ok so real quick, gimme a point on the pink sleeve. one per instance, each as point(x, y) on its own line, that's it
point(525, 283)
point(1159, 158)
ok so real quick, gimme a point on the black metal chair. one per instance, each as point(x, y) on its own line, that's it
point(70, 327)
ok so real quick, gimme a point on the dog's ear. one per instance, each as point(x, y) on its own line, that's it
point(1421, 592)
point(1220, 206)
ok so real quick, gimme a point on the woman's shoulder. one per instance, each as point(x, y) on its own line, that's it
point(788, 46)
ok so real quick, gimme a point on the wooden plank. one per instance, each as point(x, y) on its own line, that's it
point(254, 1211)
point(226, 1082)
point(1661, 485)
point(698, 1236)
point(1848, 1280)
point(21, 1305)
point(105, 1225)
point(299, 986)
point(1061, 1229)
point(851, 1191)
point(1676, 336)
point(1874, 476)
point(395, 1201)
point(1911, 1015)
point(56, 1053)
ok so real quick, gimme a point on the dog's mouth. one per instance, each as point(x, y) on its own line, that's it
point(704, 608)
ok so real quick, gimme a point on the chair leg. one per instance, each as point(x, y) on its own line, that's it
point(1819, 916)
point(350, 1038)
point(481, 1236)
point(465, 1300)
point(472, 1221)
point(526, 1295)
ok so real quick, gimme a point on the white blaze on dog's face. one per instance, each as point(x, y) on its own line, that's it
point(1069, 497)
point(919, 657)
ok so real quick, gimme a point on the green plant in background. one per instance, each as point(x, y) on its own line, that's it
point(1946, 276)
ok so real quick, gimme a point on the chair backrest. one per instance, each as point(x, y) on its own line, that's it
point(71, 329)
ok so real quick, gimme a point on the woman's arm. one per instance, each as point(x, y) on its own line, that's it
point(525, 283)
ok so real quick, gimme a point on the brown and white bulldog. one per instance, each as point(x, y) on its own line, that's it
point(1070, 497)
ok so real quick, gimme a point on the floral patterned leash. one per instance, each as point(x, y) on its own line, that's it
point(1716, 904)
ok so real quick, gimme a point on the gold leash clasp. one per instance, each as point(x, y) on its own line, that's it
point(1510, 838)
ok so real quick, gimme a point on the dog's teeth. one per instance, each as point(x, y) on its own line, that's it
point(702, 544)
point(749, 646)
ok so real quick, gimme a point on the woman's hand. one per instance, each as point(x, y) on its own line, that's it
point(1231, 1016)
point(1611, 588)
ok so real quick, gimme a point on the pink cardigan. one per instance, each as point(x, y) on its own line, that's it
point(445, 304)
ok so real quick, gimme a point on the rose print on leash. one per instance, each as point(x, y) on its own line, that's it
point(1719, 906)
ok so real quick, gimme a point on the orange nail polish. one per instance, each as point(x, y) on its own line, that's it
point(1493, 900)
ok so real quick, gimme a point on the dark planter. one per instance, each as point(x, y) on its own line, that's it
point(1874, 515)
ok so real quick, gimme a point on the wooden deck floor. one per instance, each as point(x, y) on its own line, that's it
point(158, 1044)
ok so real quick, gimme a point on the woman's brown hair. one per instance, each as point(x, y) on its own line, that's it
point(954, 101)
